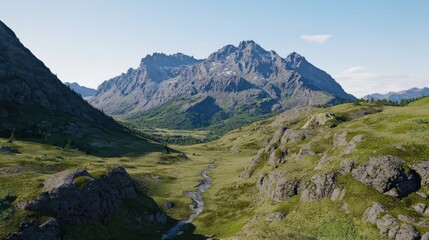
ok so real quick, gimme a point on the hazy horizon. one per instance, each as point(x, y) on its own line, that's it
point(379, 49)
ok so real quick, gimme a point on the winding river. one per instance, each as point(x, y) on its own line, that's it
point(196, 207)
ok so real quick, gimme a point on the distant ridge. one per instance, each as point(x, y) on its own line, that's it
point(398, 96)
point(82, 90)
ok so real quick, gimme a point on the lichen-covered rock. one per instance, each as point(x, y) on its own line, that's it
point(75, 196)
point(385, 173)
point(421, 208)
point(340, 139)
point(277, 186)
point(316, 120)
point(278, 156)
point(320, 186)
point(306, 150)
point(407, 232)
point(324, 160)
point(347, 166)
point(351, 146)
point(422, 168)
point(338, 194)
point(292, 136)
point(388, 226)
point(372, 213)
point(278, 135)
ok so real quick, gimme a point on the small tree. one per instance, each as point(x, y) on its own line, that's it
point(12, 137)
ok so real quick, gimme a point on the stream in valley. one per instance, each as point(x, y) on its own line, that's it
point(197, 204)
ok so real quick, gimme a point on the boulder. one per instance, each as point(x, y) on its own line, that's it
point(372, 213)
point(425, 236)
point(407, 232)
point(388, 226)
point(385, 173)
point(277, 186)
point(338, 194)
point(292, 136)
point(320, 186)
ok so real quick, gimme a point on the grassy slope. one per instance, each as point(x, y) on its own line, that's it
point(231, 201)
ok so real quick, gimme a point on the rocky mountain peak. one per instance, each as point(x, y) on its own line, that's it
point(163, 60)
point(294, 60)
point(223, 53)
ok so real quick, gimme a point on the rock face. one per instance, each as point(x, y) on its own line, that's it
point(386, 173)
point(75, 196)
point(320, 186)
point(277, 186)
point(238, 79)
point(31, 94)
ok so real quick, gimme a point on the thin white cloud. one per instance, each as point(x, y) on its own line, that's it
point(360, 82)
point(321, 38)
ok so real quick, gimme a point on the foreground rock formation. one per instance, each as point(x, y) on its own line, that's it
point(74, 197)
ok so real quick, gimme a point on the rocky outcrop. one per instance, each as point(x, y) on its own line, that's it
point(347, 166)
point(372, 213)
point(49, 230)
point(250, 169)
point(320, 186)
point(74, 196)
point(340, 140)
point(388, 225)
point(292, 136)
point(316, 120)
point(422, 168)
point(386, 173)
point(277, 186)
point(306, 150)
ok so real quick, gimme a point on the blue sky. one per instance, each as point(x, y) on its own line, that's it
point(367, 46)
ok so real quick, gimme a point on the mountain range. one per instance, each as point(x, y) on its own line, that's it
point(234, 85)
point(85, 92)
point(398, 96)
